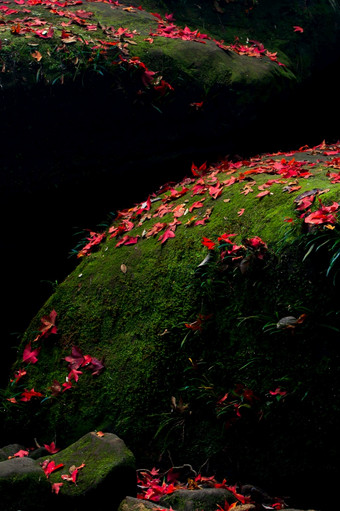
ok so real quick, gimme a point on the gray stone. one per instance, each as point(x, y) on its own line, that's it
point(133, 504)
point(9, 450)
point(108, 472)
point(190, 500)
point(23, 485)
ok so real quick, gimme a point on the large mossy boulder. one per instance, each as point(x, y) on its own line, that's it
point(76, 119)
point(203, 323)
point(105, 470)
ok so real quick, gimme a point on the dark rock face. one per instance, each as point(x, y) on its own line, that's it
point(23, 485)
point(108, 473)
point(207, 499)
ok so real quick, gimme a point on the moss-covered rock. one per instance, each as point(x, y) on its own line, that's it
point(207, 499)
point(74, 124)
point(105, 469)
point(133, 504)
point(23, 485)
point(196, 355)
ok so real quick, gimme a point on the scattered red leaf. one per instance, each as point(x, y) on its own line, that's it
point(169, 233)
point(18, 374)
point(20, 454)
point(48, 325)
point(56, 487)
point(263, 194)
point(127, 240)
point(208, 243)
point(50, 466)
point(28, 394)
point(51, 448)
point(30, 356)
point(277, 392)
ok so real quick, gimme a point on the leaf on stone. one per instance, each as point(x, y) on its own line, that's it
point(21, 454)
point(50, 466)
point(56, 487)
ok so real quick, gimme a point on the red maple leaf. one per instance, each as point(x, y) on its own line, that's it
point(225, 238)
point(127, 240)
point(263, 194)
point(45, 34)
point(18, 374)
point(48, 325)
point(199, 171)
point(208, 243)
point(21, 454)
point(29, 355)
point(67, 385)
point(277, 392)
point(51, 448)
point(163, 87)
point(169, 233)
point(215, 191)
point(50, 466)
point(74, 374)
point(198, 204)
point(56, 487)
point(323, 215)
point(157, 227)
point(76, 359)
point(28, 394)
point(96, 366)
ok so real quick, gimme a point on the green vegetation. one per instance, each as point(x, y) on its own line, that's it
point(197, 356)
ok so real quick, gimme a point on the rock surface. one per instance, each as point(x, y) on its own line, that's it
point(23, 486)
point(208, 499)
point(109, 471)
point(152, 324)
point(83, 137)
point(102, 468)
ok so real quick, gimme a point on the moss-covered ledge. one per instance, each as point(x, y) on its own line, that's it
point(243, 347)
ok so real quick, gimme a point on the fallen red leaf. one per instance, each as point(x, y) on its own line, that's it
point(29, 355)
point(50, 466)
point(21, 454)
point(263, 194)
point(169, 233)
point(56, 487)
point(127, 240)
point(28, 394)
point(208, 243)
point(51, 448)
point(48, 325)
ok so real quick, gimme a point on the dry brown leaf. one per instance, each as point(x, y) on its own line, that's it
point(37, 55)
point(69, 40)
